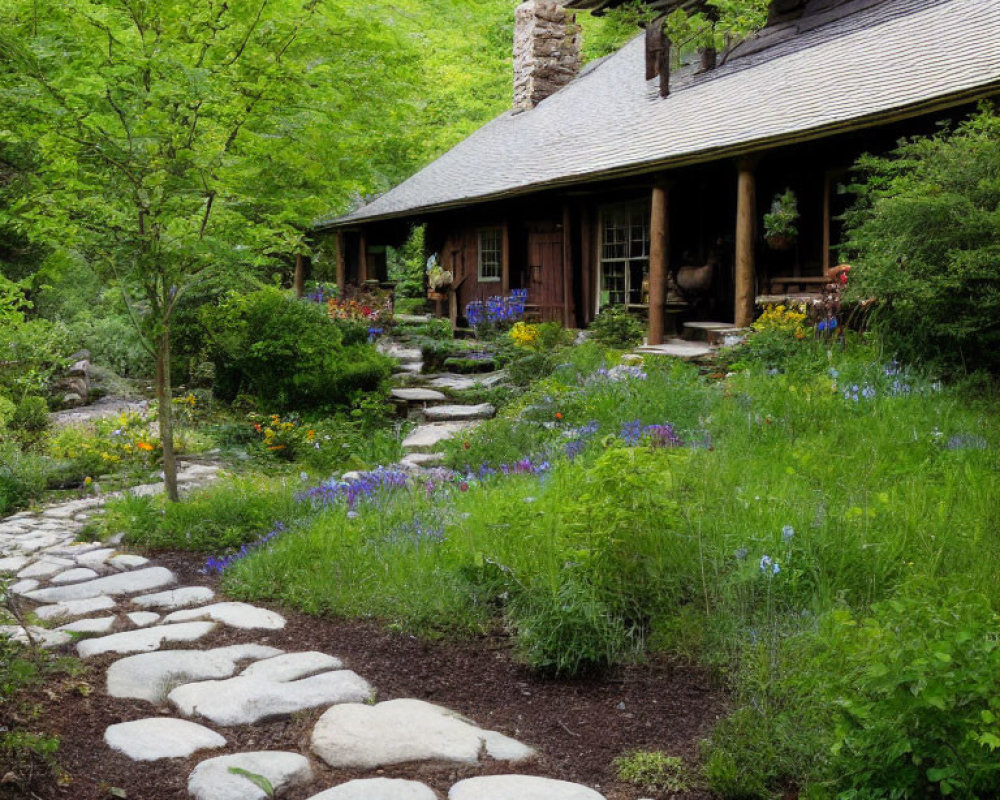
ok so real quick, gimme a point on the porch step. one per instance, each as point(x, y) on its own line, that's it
point(678, 348)
point(424, 438)
point(701, 331)
point(459, 413)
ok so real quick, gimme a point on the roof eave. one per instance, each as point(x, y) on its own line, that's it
point(688, 159)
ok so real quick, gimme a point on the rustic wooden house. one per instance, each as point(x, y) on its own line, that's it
point(623, 182)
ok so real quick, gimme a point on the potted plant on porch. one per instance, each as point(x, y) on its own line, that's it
point(437, 279)
point(780, 230)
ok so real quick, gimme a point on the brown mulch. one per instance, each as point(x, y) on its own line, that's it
point(578, 727)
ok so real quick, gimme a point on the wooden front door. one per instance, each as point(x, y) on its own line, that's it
point(544, 279)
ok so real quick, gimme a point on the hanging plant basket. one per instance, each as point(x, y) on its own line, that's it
point(434, 294)
point(781, 241)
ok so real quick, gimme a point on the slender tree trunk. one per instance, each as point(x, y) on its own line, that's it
point(164, 399)
point(299, 279)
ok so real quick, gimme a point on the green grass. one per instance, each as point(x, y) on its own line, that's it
point(871, 490)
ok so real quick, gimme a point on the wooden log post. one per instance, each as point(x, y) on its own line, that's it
point(299, 278)
point(659, 248)
point(341, 265)
point(746, 238)
point(362, 259)
point(567, 266)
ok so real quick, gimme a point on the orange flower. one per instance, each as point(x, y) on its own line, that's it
point(145, 446)
point(558, 415)
point(277, 447)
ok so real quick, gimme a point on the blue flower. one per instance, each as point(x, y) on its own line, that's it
point(787, 533)
point(769, 567)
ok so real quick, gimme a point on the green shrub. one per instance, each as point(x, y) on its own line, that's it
point(31, 415)
point(615, 327)
point(652, 771)
point(924, 239)
point(22, 477)
point(288, 354)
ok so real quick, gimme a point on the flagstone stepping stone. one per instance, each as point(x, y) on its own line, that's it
point(127, 561)
point(76, 549)
point(235, 615)
point(43, 637)
point(418, 395)
point(75, 608)
point(39, 542)
point(422, 460)
point(459, 413)
point(95, 557)
point(91, 625)
point(410, 367)
point(152, 676)
point(12, 564)
point(520, 787)
point(123, 583)
point(175, 598)
point(426, 437)
point(378, 789)
point(405, 730)
point(24, 586)
point(214, 780)
point(246, 700)
point(292, 666)
point(144, 639)
point(46, 567)
point(160, 737)
point(402, 354)
point(143, 619)
point(73, 576)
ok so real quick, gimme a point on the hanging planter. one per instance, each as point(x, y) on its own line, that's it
point(780, 241)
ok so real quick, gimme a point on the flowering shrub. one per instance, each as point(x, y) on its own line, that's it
point(127, 439)
point(496, 312)
point(283, 437)
point(524, 335)
point(782, 319)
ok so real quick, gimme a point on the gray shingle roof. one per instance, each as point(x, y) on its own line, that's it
point(896, 55)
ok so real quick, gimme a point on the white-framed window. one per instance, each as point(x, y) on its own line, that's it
point(624, 253)
point(490, 254)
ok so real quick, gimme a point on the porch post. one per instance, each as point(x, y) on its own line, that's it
point(746, 235)
point(567, 265)
point(362, 258)
point(341, 266)
point(659, 248)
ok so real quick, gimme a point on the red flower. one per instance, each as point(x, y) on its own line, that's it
point(463, 486)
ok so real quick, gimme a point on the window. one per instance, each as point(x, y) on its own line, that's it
point(490, 254)
point(624, 253)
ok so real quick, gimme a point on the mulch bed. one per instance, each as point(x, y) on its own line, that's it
point(577, 726)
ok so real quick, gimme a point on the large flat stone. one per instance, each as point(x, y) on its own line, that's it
point(214, 780)
point(418, 395)
point(416, 461)
point(95, 558)
point(75, 608)
point(520, 787)
point(292, 666)
point(425, 438)
point(46, 567)
point(12, 564)
point(74, 576)
point(160, 737)
point(396, 731)
point(144, 639)
point(140, 580)
point(43, 637)
point(378, 789)
point(459, 413)
point(246, 700)
point(91, 625)
point(678, 348)
point(400, 353)
point(235, 615)
point(127, 561)
point(175, 598)
point(152, 676)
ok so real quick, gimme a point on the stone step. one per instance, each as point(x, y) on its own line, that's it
point(412, 319)
point(459, 383)
point(415, 461)
point(677, 348)
point(459, 413)
point(699, 331)
point(727, 337)
point(418, 395)
point(425, 438)
point(402, 354)
point(409, 368)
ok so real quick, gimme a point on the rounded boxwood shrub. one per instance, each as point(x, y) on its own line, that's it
point(288, 354)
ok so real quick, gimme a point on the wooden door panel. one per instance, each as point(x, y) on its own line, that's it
point(544, 274)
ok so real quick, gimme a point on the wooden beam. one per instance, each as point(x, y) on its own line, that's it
point(659, 249)
point(362, 258)
point(341, 266)
point(567, 266)
point(746, 242)
point(505, 258)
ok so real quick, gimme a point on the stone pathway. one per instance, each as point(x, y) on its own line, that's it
point(426, 400)
point(94, 600)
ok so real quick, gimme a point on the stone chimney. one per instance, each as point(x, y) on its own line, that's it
point(546, 51)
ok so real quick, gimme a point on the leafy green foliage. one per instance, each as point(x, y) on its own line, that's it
point(652, 770)
point(288, 354)
point(614, 327)
point(924, 239)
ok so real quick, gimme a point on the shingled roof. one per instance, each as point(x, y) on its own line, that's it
point(885, 61)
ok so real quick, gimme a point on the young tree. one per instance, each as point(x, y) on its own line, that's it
point(177, 140)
